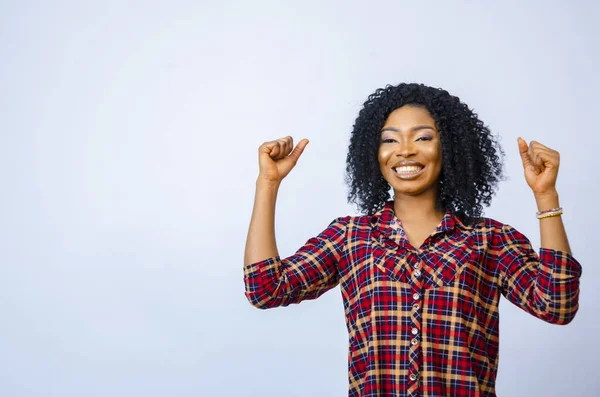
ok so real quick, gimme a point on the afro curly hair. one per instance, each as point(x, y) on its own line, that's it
point(471, 156)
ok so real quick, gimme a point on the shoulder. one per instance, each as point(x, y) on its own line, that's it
point(492, 223)
point(353, 223)
point(353, 219)
point(501, 233)
point(489, 224)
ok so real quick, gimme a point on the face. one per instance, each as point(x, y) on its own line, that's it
point(410, 152)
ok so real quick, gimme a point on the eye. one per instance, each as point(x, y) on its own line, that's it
point(424, 138)
point(388, 140)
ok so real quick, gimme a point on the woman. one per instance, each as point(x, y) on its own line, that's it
point(420, 275)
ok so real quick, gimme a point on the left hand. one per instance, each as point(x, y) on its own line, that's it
point(540, 164)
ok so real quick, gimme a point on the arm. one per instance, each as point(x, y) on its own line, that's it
point(547, 285)
point(552, 230)
point(261, 243)
point(275, 159)
point(307, 274)
point(540, 165)
point(312, 270)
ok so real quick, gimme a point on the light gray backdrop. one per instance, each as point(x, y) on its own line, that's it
point(129, 136)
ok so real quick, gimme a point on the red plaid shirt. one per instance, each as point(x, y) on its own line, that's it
point(421, 322)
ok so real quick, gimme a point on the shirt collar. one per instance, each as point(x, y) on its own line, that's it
point(384, 220)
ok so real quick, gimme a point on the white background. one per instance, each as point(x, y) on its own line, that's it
point(128, 156)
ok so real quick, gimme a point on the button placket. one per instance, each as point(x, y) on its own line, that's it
point(415, 356)
point(416, 272)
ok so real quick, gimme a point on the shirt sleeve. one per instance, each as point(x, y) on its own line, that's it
point(307, 274)
point(544, 285)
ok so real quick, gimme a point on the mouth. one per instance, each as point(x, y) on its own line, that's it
point(408, 172)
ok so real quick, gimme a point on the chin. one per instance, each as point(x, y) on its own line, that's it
point(408, 192)
point(410, 187)
point(414, 190)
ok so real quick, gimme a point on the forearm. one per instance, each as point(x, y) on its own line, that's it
point(552, 230)
point(261, 243)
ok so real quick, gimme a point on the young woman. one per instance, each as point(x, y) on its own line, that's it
point(421, 274)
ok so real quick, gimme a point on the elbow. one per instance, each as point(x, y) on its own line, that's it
point(559, 320)
point(568, 309)
point(257, 294)
point(258, 301)
point(566, 317)
point(563, 316)
point(263, 295)
point(558, 308)
point(264, 300)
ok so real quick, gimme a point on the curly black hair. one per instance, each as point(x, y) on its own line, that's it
point(471, 156)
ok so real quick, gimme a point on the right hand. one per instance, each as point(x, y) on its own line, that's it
point(275, 160)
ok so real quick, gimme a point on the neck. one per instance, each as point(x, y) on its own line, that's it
point(417, 208)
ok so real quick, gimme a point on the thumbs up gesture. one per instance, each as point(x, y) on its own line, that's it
point(277, 158)
point(540, 164)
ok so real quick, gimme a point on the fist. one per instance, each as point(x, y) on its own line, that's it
point(276, 158)
point(540, 165)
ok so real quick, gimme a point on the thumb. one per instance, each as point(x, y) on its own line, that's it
point(297, 152)
point(523, 150)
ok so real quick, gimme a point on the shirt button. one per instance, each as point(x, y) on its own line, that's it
point(417, 265)
point(414, 331)
point(412, 377)
point(416, 296)
point(414, 341)
point(417, 273)
point(416, 306)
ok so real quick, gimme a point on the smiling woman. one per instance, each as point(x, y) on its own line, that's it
point(411, 150)
point(471, 159)
point(421, 274)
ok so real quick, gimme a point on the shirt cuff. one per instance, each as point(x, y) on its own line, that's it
point(562, 262)
point(265, 268)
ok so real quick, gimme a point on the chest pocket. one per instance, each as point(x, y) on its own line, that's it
point(390, 259)
point(444, 261)
point(439, 265)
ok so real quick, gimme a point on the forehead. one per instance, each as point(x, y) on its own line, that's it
point(408, 116)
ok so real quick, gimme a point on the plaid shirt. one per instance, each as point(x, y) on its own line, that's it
point(421, 322)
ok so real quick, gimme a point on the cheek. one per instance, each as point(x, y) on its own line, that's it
point(382, 156)
point(438, 162)
point(435, 154)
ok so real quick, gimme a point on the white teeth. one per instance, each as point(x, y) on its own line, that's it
point(411, 169)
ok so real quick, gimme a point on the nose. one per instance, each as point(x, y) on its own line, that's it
point(406, 148)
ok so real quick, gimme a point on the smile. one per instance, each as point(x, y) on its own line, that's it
point(408, 172)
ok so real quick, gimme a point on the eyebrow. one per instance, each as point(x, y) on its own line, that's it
point(415, 128)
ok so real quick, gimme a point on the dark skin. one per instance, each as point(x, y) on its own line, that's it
point(410, 136)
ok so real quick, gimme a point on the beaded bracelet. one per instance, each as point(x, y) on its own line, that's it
point(550, 210)
point(549, 213)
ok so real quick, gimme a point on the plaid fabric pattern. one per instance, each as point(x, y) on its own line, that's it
point(421, 322)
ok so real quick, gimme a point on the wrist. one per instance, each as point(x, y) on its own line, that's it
point(547, 200)
point(262, 183)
